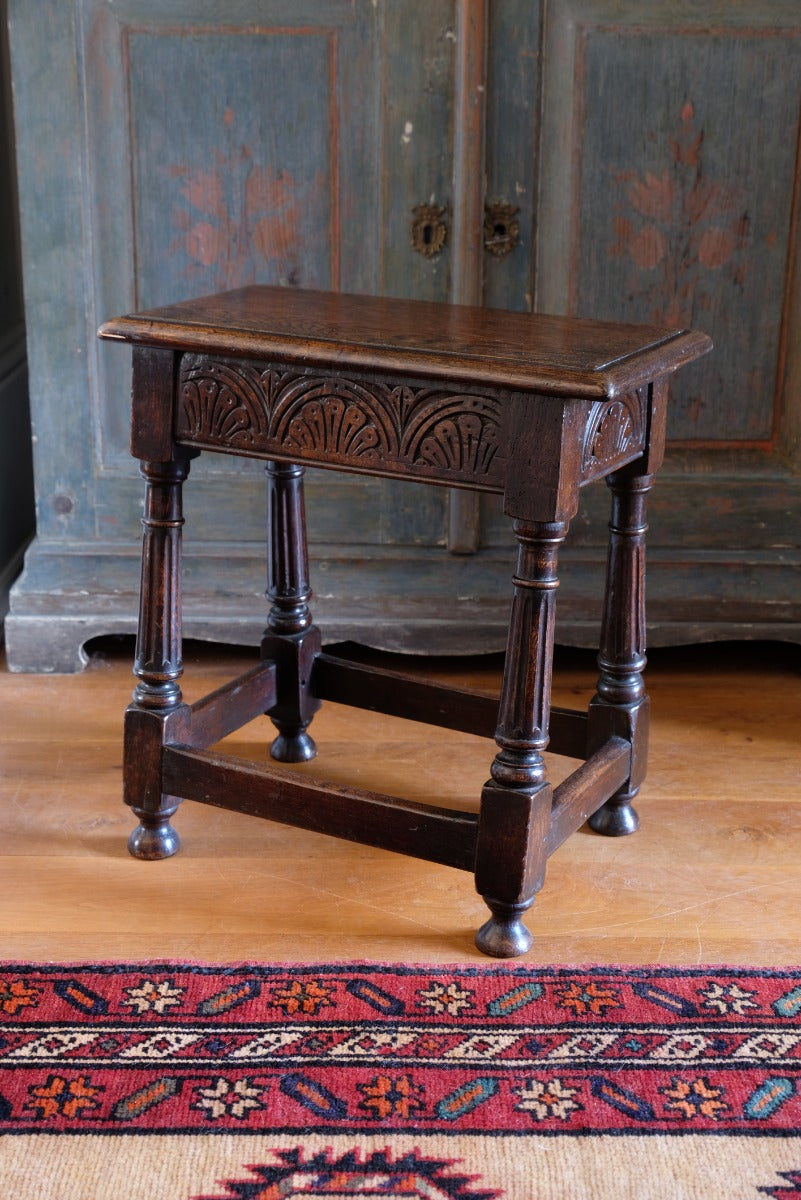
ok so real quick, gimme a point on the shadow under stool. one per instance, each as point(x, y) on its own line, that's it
point(532, 407)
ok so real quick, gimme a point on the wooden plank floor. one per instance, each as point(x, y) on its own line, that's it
point(714, 875)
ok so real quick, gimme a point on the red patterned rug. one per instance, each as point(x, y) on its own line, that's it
point(444, 1083)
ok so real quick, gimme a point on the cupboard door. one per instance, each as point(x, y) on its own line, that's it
point(668, 193)
point(197, 147)
point(287, 147)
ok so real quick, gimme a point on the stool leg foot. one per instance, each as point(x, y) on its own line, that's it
point(154, 836)
point(617, 817)
point(504, 935)
point(293, 747)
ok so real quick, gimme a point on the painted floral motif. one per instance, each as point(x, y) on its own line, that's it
point(676, 225)
point(16, 994)
point(544, 1100)
point(61, 1097)
point(387, 1097)
point(451, 999)
point(229, 1099)
point(302, 997)
point(695, 1098)
point(151, 996)
point(236, 218)
point(589, 998)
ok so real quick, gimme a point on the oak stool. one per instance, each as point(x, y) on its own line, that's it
point(532, 407)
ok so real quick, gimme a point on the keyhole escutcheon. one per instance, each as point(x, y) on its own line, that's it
point(501, 228)
point(429, 229)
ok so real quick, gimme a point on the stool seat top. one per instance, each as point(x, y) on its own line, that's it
point(551, 355)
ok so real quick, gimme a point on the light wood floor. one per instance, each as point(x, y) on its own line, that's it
point(714, 875)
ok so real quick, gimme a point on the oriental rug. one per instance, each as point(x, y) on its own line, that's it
point(276, 1082)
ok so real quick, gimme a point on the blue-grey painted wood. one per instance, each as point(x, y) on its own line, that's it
point(16, 475)
point(514, 79)
point(685, 205)
point(669, 185)
point(194, 148)
point(184, 145)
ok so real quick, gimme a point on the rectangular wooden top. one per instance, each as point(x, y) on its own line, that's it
point(562, 356)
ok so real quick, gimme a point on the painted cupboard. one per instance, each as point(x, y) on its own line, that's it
point(614, 158)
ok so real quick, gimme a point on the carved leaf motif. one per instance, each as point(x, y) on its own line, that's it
point(224, 403)
point(614, 432)
point(364, 421)
point(457, 433)
point(336, 427)
point(614, 435)
point(462, 444)
point(335, 416)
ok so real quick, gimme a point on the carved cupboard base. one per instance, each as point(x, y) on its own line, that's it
point(64, 600)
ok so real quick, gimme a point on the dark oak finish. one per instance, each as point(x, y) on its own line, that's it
point(290, 640)
point(560, 356)
point(529, 407)
point(438, 835)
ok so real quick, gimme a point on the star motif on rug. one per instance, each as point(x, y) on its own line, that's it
point(728, 998)
point(582, 999)
point(551, 1099)
point(226, 1099)
point(386, 1097)
point(693, 1098)
point(16, 994)
point(152, 996)
point(302, 997)
point(449, 999)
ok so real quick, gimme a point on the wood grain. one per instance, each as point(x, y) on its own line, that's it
point(713, 875)
point(556, 355)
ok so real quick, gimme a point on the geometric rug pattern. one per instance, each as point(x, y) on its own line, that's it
point(369, 1080)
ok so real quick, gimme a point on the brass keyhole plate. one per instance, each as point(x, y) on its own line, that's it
point(501, 228)
point(429, 230)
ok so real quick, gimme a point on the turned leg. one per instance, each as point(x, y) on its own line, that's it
point(620, 706)
point(290, 640)
point(516, 801)
point(157, 703)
